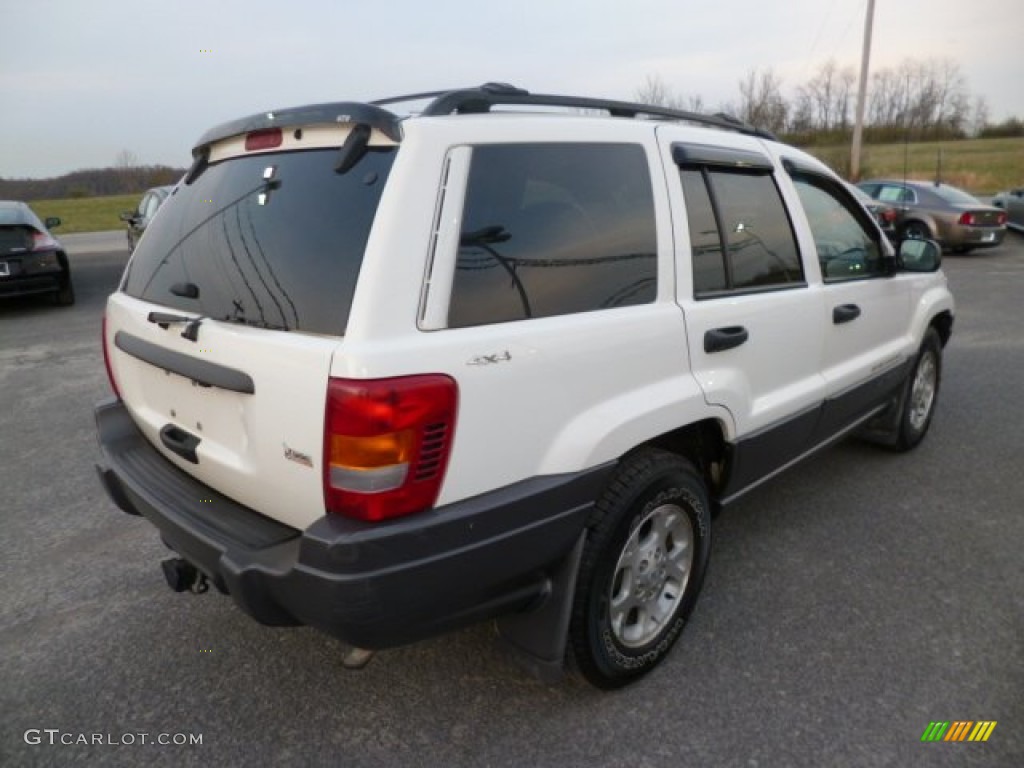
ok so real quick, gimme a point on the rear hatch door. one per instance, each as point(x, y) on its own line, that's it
point(222, 335)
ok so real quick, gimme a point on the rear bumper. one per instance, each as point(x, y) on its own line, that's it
point(32, 272)
point(373, 585)
point(975, 237)
point(30, 284)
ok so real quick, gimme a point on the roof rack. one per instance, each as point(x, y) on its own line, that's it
point(482, 98)
point(474, 100)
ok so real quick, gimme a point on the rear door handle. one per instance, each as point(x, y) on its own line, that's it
point(720, 339)
point(844, 313)
point(181, 442)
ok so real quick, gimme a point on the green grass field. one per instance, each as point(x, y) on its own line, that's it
point(981, 166)
point(86, 214)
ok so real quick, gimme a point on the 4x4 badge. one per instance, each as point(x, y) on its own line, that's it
point(500, 357)
point(299, 458)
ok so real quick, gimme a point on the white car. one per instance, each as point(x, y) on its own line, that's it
point(389, 375)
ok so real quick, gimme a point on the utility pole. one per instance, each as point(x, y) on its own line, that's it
point(862, 87)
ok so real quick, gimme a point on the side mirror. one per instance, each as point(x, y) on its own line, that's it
point(920, 256)
point(126, 216)
point(51, 222)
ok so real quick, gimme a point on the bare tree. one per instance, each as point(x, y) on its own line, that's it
point(921, 98)
point(979, 116)
point(129, 171)
point(655, 92)
point(694, 103)
point(761, 100)
point(126, 160)
point(823, 102)
point(916, 99)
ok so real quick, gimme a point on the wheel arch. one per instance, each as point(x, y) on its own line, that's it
point(943, 325)
point(926, 221)
point(670, 414)
point(703, 444)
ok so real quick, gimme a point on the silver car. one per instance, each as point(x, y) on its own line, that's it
point(1012, 202)
point(936, 211)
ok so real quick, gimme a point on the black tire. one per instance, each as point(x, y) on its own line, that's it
point(65, 295)
point(656, 507)
point(921, 393)
point(916, 230)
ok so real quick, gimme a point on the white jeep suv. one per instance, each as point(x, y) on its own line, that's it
point(387, 375)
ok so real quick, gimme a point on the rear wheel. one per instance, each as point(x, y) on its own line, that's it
point(922, 392)
point(916, 230)
point(642, 568)
point(65, 295)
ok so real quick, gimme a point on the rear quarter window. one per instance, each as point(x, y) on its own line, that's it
point(554, 229)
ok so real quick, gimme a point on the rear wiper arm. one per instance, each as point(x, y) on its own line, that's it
point(164, 319)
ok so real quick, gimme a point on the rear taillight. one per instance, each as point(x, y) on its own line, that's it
point(386, 444)
point(106, 359)
point(888, 215)
point(1001, 218)
point(966, 219)
point(41, 240)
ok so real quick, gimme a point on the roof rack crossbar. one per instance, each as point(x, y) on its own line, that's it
point(476, 100)
point(495, 88)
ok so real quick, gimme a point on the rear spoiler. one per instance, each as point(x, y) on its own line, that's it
point(341, 112)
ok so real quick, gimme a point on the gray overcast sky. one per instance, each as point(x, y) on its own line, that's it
point(81, 80)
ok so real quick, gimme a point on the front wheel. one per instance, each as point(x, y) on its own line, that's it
point(642, 568)
point(922, 392)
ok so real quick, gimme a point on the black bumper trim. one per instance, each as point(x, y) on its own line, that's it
point(374, 585)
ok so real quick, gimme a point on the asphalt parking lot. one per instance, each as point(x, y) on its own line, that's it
point(848, 604)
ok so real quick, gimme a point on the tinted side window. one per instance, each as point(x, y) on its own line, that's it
point(762, 246)
point(708, 261)
point(846, 247)
point(748, 223)
point(553, 229)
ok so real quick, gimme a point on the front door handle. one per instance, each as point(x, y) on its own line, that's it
point(720, 339)
point(844, 313)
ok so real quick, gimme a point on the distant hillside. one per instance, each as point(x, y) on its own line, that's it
point(93, 182)
point(981, 166)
